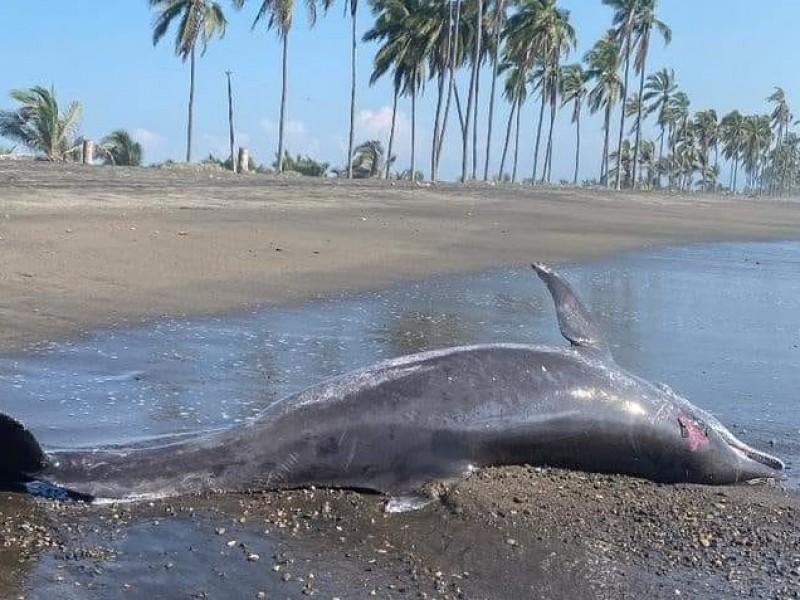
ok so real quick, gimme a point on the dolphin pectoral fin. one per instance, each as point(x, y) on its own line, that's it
point(20, 453)
point(575, 321)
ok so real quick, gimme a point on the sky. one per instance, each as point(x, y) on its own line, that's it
point(726, 54)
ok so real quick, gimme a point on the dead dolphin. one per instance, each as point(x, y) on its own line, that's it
point(402, 423)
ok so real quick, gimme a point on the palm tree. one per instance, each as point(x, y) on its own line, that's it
point(198, 20)
point(473, 19)
point(706, 128)
point(496, 29)
point(39, 124)
point(658, 92)
point(540, 29)
point(601, 62)
point(280, 14)
point(121, 149)
point(405, 49)
point(625, 14)
point(732, 136)
point(645, 22)
point(573, 89)
point(351, 7)
point(756, 140)
point(679, 122)
point(781, 115)
point(623, 158)
point(516, 92)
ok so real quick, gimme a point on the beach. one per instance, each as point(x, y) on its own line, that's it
point(89, 248)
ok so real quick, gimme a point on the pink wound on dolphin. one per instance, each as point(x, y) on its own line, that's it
point(695, 436)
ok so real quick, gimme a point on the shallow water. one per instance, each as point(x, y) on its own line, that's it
point(720, 323)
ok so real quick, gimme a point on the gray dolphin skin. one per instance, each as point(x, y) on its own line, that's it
point(402, 423)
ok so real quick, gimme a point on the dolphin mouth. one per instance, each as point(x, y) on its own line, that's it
point(758, 456)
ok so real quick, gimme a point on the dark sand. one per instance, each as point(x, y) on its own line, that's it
point(89, 247)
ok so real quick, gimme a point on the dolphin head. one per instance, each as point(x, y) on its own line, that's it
point(709, 452)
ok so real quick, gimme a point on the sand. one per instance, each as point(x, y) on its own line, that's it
point(85, 247)
point(88, 247)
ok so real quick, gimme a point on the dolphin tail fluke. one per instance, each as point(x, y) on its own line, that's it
point(20, 453)
point(576, 323)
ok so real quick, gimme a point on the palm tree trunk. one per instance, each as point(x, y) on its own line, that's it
point(467, 121)
point(639, 117)
point(191, 107)
point(505, 145)
point(475, 126)
point(230, 123)
point(604, 162)
point(735, 171)
point(413, 135)
point(672, 156)
point(497, 31)
point(538, 139)
point(618, 182)
point(478, 50)
point(548, 160)
point(352, 91)
point(391, 132)
point(660, 154)
point(284, 88)
point(516, 144)
point(577, 143)
point(438, 116)
point(451, 85)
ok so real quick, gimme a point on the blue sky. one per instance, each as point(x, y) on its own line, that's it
point(726, 54)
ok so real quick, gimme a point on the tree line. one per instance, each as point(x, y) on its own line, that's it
point(524, 47)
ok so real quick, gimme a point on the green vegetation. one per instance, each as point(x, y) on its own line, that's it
point(120, 149)
point(304, 165)
point(39, 124)
point(437, 51)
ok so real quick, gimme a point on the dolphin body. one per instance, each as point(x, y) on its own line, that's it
point(405, 422)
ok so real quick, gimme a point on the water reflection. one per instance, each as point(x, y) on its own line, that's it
point(720, 323)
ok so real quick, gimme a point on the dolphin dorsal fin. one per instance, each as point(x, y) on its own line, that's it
point(574, 320)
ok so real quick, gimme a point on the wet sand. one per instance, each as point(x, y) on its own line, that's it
point(85, 248)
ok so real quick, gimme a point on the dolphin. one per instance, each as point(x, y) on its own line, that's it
point(403, 423)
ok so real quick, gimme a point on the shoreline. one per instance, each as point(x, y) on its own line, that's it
point(84, 248)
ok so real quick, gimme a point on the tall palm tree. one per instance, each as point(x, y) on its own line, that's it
point(451, 23)
point(625, 15)
point(39, 123)
point(280, 14)
point(573, 89)
point(658, 92)
point(198, 21)
point(732, 136)
point(756, 140)
point(706, 128)
point(646, 21)
point(121, 149)
point(516, 92)
point(679, 123)
point(351, 8)
point(496, 29)
point(475, 19)
point(404, 50)
point(601, 68)
point(542, 30)
point(781, 115)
